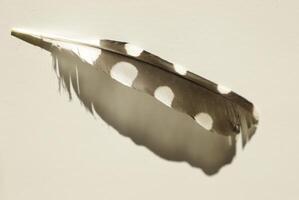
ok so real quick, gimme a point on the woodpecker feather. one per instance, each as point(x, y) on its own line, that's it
point(215, 108)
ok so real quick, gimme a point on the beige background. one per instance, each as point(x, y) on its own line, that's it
point(53, 149)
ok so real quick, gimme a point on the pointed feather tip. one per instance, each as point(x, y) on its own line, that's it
point(41, 39)
point(25, 34)
point(31, 37)
point(15, 31)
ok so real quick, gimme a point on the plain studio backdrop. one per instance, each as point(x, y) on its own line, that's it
point(54, 149)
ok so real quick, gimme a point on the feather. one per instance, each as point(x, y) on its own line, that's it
point(215, 110)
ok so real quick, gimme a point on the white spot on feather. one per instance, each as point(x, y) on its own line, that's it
point(133, 50)
point(180, 69)
point(124, 73)
point(88, 54)
point(164, 94)
point(223, 90)
point(205, 120)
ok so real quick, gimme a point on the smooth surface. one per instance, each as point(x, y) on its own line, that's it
point(251, 47)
